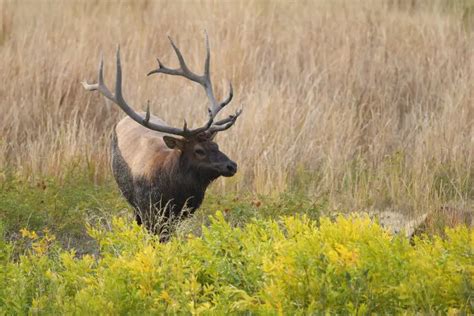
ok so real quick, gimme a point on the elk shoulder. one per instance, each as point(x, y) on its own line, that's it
point(143, 149)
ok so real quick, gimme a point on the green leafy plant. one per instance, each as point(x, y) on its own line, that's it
point(290, 265)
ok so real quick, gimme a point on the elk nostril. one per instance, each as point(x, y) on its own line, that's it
point(232, 167)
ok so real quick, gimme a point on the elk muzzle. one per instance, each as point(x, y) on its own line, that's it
point(230, 169)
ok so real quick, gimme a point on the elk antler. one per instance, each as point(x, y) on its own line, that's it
point(205, 82)
point(184, 71)
point(118, 99)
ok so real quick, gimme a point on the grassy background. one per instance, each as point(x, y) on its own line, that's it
point(363, 105)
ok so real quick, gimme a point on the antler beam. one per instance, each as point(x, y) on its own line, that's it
point(204, 81)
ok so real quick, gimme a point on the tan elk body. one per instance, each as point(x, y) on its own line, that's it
point(159, 174)
point(143, 149)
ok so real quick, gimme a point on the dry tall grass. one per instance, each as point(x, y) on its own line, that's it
point(369, 104)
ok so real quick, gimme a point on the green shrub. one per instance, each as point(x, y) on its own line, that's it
point(291, 265)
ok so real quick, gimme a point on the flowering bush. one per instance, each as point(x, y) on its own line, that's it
point(286, 266)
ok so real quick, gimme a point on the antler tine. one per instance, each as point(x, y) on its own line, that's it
point(228, 119)
point(183, 71)
point(208, 59)
point(207, 74)
point(214, 107)
point(229, 97)
point(147, 114)
point(184, 68)
point(118, 79)
point(100, 85)
point(226, 123)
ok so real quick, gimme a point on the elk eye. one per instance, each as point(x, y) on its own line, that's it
point(200, 152)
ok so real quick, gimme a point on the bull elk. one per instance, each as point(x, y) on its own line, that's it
point(157, 173)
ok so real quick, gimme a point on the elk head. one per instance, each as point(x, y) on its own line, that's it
point(199, 153)
point(202, 156)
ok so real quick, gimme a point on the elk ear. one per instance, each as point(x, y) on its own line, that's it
point(173, 143)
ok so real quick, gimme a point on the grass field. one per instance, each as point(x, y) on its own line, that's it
point(347, 106)
point(365, 103)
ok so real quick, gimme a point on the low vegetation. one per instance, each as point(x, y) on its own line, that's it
point(287, 265)
point(72, 247)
